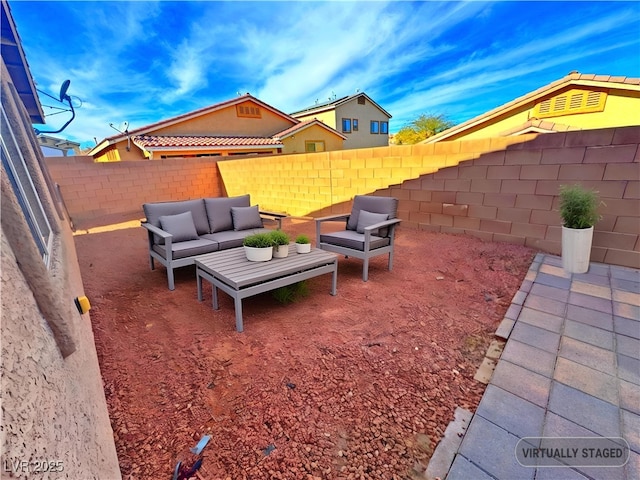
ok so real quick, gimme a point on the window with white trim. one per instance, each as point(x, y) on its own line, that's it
point(25, 191)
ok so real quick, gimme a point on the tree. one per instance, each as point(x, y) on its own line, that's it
point(423, 127)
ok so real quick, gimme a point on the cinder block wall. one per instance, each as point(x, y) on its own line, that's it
point(117, 190)
point(305, 183)
point(499, 189)
point(511, 195)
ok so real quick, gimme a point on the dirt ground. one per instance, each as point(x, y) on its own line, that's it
point(360, 385)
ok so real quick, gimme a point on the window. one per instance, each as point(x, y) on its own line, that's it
point(384, 128)
point(25, 191)
point(314, 146)
point(355, 124)
point(248, 110)
point(375, 126)
point(346, 125)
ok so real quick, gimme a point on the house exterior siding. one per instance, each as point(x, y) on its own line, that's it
point(575, 102)
point(365, 113)
point(53, 404)
point(297, 143)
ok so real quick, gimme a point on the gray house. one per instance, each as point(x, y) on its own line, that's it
point(362, 121)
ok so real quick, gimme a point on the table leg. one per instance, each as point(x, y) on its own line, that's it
point(214, 296)
point(239, 326)
point(334, 282)
point(199, 283)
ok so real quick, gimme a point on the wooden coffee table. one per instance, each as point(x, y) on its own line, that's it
point(231, 272)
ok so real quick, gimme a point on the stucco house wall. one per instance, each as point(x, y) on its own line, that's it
point(297, 143)
point(575, 102)
point(358, 106)
point(53, 404)
point(226, 122)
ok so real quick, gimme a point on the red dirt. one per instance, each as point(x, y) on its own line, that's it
point(360, 385)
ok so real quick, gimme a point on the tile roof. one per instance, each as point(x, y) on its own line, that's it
point(306, 124)
point(332, 104)
point(574, 78)
point(190, 141)
point(538, 126)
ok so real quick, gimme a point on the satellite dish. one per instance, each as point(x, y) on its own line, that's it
point(63, 90)
point(63, 96)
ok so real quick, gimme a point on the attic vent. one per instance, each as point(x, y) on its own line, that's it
point(593, 98)
point(361, 100)
point(248, 110)
point(571, 102)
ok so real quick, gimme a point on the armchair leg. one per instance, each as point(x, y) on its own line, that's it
point(390, 260)
point(365, 270)
point(172, 285)
point(153, 267)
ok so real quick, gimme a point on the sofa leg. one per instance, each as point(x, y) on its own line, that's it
point(365, 270)
point(153, 266)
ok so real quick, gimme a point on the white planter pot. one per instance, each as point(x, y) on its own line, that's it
point(303, 247)
point(281, 251)
point(258, 254)
point(576, 249)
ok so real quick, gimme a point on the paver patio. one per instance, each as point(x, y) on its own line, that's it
point(570, 368)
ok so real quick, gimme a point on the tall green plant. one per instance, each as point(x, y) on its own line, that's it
point(578, 206)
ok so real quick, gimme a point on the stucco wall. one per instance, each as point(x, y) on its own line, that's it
point(53, 405)
point(501, 189)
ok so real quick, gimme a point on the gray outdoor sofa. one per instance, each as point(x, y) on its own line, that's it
point(180, 231)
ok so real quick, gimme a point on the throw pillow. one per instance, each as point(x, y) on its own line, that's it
point(181, 226)
point(366, 219)
point(246, 217)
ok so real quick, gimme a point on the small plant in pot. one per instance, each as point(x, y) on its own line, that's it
point(280, 243)
point(579, 213)
point(258, 247)
point(303, 244)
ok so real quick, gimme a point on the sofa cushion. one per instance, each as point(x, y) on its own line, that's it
point(366, 219)
point(375, 204)
point(219, 211)
point(188, 248)
point(180, 226)
point(245, 218)
point(153, 212)
point(232, 238)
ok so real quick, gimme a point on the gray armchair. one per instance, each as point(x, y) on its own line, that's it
point(369, 230)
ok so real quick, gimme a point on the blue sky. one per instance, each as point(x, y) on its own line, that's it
point(142, 61)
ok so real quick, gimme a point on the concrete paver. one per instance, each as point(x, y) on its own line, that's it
point(570, 368)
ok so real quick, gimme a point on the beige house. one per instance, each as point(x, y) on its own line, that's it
point(240, 126)
point(53, 403)
point(363, 122)
point(575, 102)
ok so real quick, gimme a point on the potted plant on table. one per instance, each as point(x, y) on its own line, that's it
point(280, 243)
point(303, 244)
point(258, 247)
point(579, 212)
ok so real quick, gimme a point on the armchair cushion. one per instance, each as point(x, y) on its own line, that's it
point(181, 226)
point(246, 217)
point(366, 219)
point(374, 204)
point(353, 240)
point(219, 211)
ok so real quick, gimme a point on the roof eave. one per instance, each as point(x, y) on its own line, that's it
point(16, 62)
